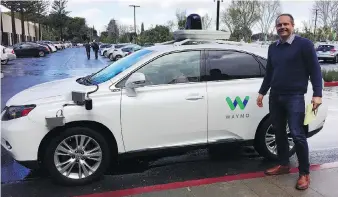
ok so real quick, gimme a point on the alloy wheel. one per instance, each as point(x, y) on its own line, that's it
point(77, 157)
point(270, 140)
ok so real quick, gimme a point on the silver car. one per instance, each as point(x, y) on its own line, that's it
point(328, 52)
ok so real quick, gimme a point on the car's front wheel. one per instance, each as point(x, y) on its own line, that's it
point(105, 53)
point(265, 141)
point(77, 156)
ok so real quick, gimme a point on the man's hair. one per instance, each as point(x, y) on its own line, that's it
point(286, 14)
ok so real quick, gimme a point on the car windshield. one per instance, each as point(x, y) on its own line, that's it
point(325, 47)
point(117, 67)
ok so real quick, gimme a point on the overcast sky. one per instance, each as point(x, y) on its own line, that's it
point(152, 12)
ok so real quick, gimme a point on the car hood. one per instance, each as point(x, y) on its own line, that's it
point(57, 90)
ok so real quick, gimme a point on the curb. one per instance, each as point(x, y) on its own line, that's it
point(198, 182)
point(330, 84)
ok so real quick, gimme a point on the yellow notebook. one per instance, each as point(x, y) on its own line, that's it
point(310, 114)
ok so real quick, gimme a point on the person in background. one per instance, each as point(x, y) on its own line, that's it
point(87, 46)
point(292, 61)
point(95, 47)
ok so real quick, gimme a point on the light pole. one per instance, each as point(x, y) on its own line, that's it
point(217, 17)
point(315, 25)
point(134, 6)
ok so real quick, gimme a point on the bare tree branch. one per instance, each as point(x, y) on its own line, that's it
point(327, 13)
point(206, 21)
point(269, 11)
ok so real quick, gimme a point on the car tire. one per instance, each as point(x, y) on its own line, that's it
point(118, 57)
point(111, 57)
point(4, 62)
point(41, 54)
point(336, 59)
point(77, 156)
point(264, 132)
point(105, 53)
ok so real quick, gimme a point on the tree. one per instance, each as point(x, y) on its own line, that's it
point(181, 18)
point(159, 33)
point(39, 15)
point(59, 15)
point(269, 11)
point(142, 27)
point(241, 15)
point(113, 30)
point(326, 12)
point(171, 25)
point(206, 21)
point(13, 6)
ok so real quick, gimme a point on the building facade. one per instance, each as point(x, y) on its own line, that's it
point(7, 36)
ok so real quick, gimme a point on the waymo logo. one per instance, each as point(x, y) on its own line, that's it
point(238, 101)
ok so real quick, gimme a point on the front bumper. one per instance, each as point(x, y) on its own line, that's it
point(21, 138)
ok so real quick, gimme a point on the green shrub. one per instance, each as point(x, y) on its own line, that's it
point(330, 75)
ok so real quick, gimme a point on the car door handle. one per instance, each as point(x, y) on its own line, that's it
point(194, 98)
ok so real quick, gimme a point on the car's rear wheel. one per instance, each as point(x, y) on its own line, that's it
point(41, 53)
point(111, 57)
point(77, 156)
point(336, 59)
point(4, 62)
point(265, 141)
point(118, 57)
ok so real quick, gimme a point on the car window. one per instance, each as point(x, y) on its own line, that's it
point(117, 67)
point(228, 65)
point(180, 67)
point(325, 47)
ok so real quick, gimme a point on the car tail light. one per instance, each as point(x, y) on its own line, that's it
point(333, 50)
point(13, 52)
point(14, 112)
point(47, 48)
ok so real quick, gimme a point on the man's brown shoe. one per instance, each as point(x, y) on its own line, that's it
point(303, 182)
point(278, 170)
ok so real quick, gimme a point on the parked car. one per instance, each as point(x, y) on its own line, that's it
point(58, 45)
point(158, 98)
point(30, 49)
point(51, 48)
point(4, 57)
point(116, 46)
point(328, 52)
point(10, 54)
point(124, 51)
point(104, 48)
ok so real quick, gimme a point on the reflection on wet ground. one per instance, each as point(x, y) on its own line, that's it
point(26, 72)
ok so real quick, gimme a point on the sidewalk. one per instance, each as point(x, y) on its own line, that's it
point(324, 180)
point(323, 183)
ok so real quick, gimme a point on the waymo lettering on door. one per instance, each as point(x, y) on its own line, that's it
point(233, 105)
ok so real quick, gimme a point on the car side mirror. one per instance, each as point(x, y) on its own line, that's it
point(134, 81)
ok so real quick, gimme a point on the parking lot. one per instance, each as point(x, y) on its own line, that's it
point(22, 73)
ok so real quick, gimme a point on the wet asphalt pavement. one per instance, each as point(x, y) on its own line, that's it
point(19, 181)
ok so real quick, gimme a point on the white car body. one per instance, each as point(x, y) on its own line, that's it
point(4, 56)
point(328, 52)
point(52, 47)
point(157, 117)
point(105, 49)
point(112, 49)
point(10, 53)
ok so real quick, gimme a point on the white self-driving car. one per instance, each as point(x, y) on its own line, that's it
point(163, 97)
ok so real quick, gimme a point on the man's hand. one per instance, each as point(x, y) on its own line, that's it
point(260, 100)
point(316, 101)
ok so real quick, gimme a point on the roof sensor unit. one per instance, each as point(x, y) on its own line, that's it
point(201, 35)
point(193, 21)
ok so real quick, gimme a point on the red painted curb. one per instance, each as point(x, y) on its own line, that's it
point(330, 84)
point(176, 185)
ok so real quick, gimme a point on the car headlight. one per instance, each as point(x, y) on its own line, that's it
point(13, 112)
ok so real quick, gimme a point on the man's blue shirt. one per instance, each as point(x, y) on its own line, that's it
point(290, 65)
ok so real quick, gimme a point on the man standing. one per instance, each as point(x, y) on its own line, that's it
point(95, 47)
point(292, 60)
point(87, 46)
